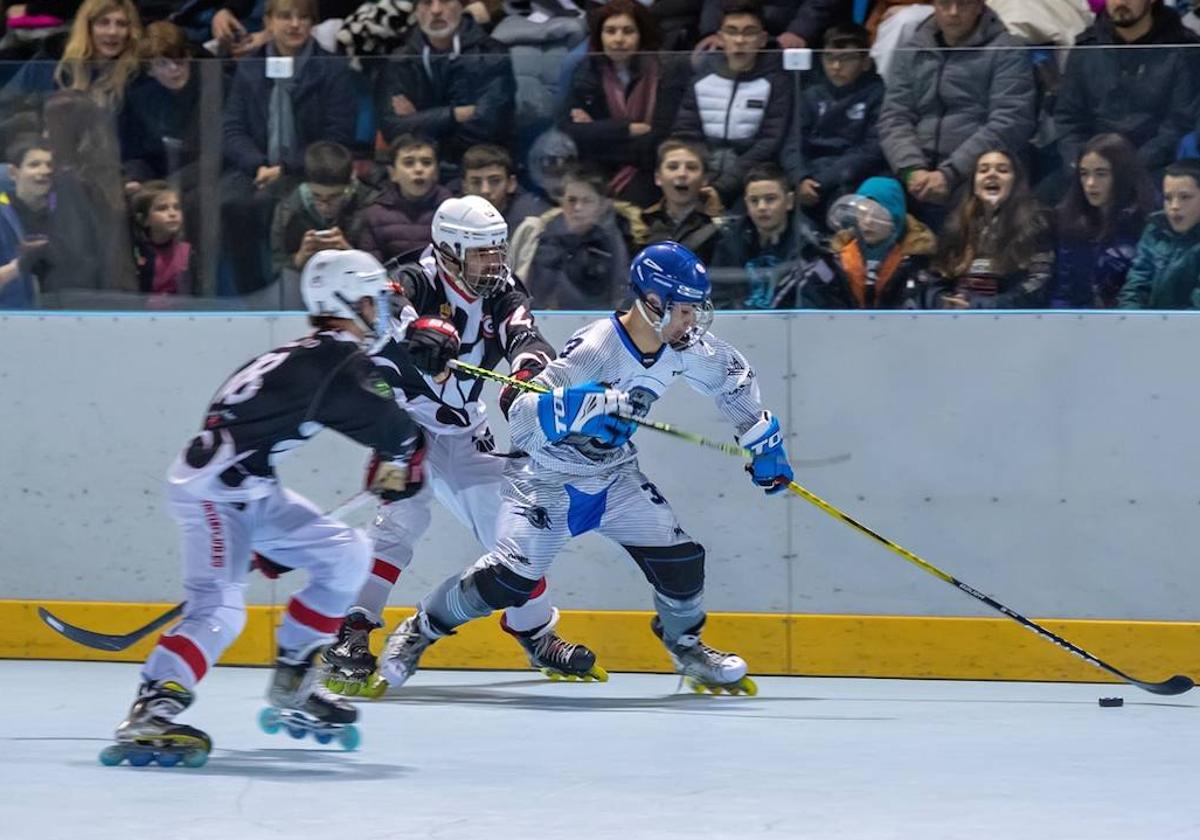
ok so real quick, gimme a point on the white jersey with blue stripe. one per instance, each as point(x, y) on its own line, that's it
point(603, 351)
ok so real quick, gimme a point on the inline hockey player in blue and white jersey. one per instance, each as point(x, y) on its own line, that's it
point(582, 474)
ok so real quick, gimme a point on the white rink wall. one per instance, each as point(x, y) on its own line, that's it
point(1045, 458)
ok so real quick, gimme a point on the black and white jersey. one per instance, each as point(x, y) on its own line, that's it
point(281, 399)
point(495, 328)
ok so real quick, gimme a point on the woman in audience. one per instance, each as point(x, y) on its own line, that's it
point(1098, 223)
point(623, 98)
point(996, 251)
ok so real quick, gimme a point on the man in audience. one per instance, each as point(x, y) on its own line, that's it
point(761, 248)
point(451, 82)
point(946, 104)
point(681, 215)
point(487, 171)
point(838, 142)
point(792, 23)
point(747, 100)
point(1166, 269)
point(285, 96)
point(399, 221)
point(1130, 77)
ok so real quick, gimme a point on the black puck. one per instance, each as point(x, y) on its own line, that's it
point(1112, 701)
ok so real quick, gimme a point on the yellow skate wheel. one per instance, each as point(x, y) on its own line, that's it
point(375, 687)
point(335, 685)
point(747, 686)
point(598, 674)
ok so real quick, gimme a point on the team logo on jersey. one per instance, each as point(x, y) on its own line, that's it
point(488, 326)
point(446, 311)
point(536, 515)
point(383, 389)
point(641, 399)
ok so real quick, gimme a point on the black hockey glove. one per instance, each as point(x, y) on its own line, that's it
point(400, 477)
point(432, 343)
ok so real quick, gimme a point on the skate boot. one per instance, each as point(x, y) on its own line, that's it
point(303, 706)
point(349, 661)
point(555, 657)
point(402, 652)
point(149, 732)
point(706, 669)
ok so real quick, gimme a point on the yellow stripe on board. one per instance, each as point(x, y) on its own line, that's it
point(815, 645)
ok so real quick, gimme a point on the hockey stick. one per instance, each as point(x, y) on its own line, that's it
point(665, 428)
point(1177, 684)
point(116, 642)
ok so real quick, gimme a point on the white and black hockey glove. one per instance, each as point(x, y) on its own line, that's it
point(401, 477)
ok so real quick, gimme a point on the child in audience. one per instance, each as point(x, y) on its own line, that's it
point(488, 172)
point(683, 213)
point(25, 220)
point(164, 261)
point(399, 220)
point(1166, 269)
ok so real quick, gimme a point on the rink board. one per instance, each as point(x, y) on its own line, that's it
point(813, 645)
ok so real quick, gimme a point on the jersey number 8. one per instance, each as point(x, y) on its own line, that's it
point(245, 383)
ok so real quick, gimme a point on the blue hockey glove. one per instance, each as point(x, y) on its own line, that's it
point(588, 410)
point(770, 467)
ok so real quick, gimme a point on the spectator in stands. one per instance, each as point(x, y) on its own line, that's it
point(399, 220)
point(997, 252)
point(269, 121)
point(451, 82)
point(679, 23)
point(321, 211)
point(838, 142)
point(161, 127)
point(579, 255)
point(1148, 95)
point(879, 256)
point(946, 105)
point(164, 260)
point(1098, 223)
point(761, 248)
point(682, 214)
point(25, 220)
point(792, 23)
point(746, 96)
point(1166, 269)
point(100, 57)
point(623, 98)
point(488, 172)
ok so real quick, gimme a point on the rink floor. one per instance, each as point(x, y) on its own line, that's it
point(498, 755)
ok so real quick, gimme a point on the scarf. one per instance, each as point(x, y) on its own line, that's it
point(170, 268)
point(282, 142)
point(637, 106)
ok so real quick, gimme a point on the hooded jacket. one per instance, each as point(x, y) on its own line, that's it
point(476, 71)
point(1166, 269)
point(945, 107)
point(1147, 95)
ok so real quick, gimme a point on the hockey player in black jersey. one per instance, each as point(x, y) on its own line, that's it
point(459, 301)
point(224, 494)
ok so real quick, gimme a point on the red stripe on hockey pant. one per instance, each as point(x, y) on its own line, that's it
point(538, 590)
point(385, 570)
point(310, 618)
point(188, 651)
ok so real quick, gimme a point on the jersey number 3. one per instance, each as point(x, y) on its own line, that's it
point(246, 382)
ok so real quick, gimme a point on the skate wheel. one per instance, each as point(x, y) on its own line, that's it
point(336, 686)
point(375, 687)
point(296, 732)
point(746, 686)
point(323, 737)
point(268, 721)
point(598, 674)
point(195, 758)
point(112, 756)
point(168, 759)
point(349, 738)
point(141, 758)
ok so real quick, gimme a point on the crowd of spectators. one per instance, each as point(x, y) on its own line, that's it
point(947, 154)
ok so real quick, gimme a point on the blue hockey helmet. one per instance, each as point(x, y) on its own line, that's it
point(681, 310)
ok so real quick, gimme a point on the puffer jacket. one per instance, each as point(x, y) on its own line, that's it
point(1148, 95)
point(943, 107)
point(1166, 270)
point(844, 284)
point(478, 73)
point(393, 225)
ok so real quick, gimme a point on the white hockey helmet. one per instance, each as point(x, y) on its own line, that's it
point(470, 243)
point(333, 282)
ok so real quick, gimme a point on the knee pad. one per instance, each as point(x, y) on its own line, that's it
point(498, 586)
point(675, 571)
point(396, 529)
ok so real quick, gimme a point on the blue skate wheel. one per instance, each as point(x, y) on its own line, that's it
point(296, 732)
point(141, 758)
point(268, 721)
point(195, 758)
point(349, 738)
point(323, 737)
point(112, 756)
point(168, 759)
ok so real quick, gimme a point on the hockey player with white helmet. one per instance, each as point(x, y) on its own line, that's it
point(582, 473)
point(228, 502)
point(460, 301)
